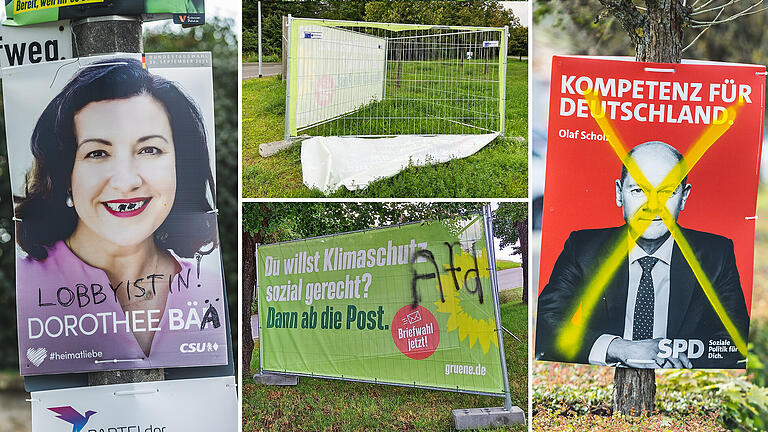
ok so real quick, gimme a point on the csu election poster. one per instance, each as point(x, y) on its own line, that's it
point(648, 223)
point(112, 170)
point(409, 304)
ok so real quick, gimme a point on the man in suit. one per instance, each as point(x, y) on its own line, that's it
point(653, 295)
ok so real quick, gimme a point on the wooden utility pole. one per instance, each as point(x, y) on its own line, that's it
point(658, 37)
point(104, 35)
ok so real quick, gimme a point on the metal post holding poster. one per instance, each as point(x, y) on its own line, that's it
point(24, 12)
point(405, 305)
point(112, 163)
point(488, 221)
point(204, 404)
point(649, 213)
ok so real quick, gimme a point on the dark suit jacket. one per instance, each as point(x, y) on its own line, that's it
point(691, 315)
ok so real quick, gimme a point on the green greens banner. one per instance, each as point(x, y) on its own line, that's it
point(23, 12)
point(410, 304)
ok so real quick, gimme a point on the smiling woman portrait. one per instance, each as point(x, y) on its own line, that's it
point(117, 214)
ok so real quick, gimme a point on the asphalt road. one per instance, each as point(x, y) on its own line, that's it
point(510, 278)
point(251, 70)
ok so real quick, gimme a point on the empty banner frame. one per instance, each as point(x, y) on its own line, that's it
point(349, 78)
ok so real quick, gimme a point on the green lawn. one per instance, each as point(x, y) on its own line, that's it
point(318, 404)
point(498, 170)
point(504, 264)
point(253, 57)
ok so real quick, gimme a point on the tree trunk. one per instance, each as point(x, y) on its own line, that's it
point(522, 235)
point(249, 282)
point(656, 34)
point(664, 41)
point(634, 391)
point(658, 37)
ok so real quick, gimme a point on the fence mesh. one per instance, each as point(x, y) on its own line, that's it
point(374, 79)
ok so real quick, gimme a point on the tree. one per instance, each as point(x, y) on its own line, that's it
point(487, 13)
point(280, 221)
point(9, 357)
point(672, 27)
point(518, 41)
point(510, 225)
point(272, 21)
point(657, 30)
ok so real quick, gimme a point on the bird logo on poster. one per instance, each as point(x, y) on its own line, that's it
point(70, 415)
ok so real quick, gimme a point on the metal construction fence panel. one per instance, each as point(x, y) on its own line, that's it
point(380, 79)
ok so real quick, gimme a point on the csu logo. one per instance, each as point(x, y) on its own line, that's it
point(71, 416)
point(199, 347)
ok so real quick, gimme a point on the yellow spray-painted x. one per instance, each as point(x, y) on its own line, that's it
point(571, 334)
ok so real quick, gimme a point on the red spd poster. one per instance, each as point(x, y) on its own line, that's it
point(648, 224)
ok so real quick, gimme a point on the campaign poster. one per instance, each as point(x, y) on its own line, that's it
point(649, 205)
point(112, 170)
point(409, 305)
point(163, 406)
point(35, 44)
point(25, 12)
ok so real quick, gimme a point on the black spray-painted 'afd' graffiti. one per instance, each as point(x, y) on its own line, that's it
point(426, 254)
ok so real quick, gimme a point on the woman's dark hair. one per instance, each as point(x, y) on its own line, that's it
point(43, 217)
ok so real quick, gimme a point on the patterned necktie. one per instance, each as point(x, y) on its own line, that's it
point(642, 325)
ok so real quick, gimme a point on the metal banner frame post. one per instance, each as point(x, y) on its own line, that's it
point(503, 78)
point(259, 39)
point(286, 136)
point(477, 418)
point(488, 219)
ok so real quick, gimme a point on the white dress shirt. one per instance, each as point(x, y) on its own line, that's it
point(660, 276)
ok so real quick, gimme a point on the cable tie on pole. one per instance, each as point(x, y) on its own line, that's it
point(751, 217)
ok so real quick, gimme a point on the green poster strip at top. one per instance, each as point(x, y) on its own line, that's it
point(409, 305)
point(24, 12)
point(386, 26)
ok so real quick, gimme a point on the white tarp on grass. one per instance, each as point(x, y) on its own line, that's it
point(330, 162)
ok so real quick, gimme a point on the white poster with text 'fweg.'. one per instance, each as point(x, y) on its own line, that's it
point(206, 404)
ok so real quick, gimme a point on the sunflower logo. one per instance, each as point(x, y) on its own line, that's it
point(477, 330)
